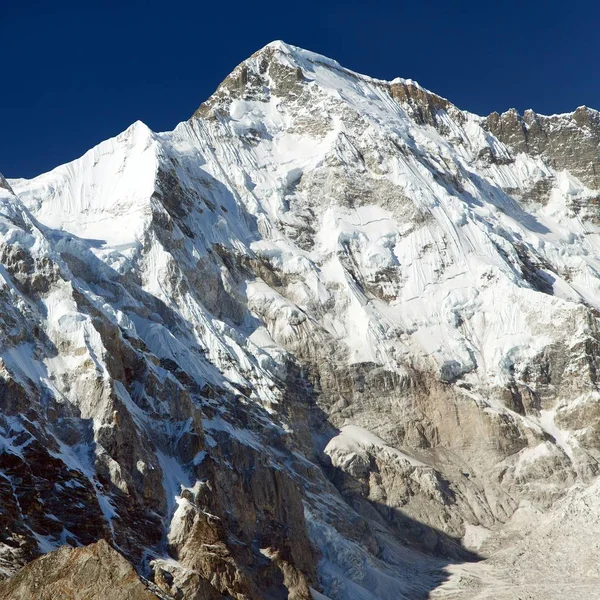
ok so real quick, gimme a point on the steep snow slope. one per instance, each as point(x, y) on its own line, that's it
point(194, 315)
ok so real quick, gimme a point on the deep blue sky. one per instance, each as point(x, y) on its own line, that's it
point(75, 73)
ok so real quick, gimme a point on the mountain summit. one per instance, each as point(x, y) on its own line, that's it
point(332, 337)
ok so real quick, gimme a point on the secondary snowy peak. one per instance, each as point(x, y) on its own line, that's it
point(104, 196)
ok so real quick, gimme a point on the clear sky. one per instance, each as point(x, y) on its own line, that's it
point(75, 73)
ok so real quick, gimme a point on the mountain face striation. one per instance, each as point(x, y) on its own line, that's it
point(330, 338)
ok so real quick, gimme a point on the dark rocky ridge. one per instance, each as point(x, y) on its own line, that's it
point(570, 141)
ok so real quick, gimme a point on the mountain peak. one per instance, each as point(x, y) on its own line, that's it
point(283, 70)
point(327, 322)
point(296, 53)
point(281, 46)
point(103, 195)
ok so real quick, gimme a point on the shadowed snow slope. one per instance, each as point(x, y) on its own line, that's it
point(322, 339)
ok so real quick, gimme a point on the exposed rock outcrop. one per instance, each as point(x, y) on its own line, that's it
point(93, 572)
point(569, 141)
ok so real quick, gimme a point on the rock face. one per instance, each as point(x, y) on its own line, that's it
point(322, 339)
point(94, 572)
point(569, 141)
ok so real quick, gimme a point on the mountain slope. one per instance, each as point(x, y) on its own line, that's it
point(330, 333)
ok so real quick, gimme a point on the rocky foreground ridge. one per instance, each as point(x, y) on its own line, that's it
point(332, 337)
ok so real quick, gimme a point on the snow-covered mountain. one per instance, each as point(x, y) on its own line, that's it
point(331, 337)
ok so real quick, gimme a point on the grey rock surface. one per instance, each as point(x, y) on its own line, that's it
point(94, 572)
